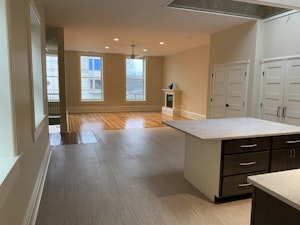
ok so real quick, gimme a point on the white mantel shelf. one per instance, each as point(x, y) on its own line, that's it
point(232, 128)
point(171, 90)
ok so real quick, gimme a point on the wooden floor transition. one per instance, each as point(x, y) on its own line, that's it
point(82, 126)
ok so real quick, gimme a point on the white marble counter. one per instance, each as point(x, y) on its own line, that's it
point(284, 185)
point(232, 128)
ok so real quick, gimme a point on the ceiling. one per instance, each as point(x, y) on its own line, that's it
point(91, 25)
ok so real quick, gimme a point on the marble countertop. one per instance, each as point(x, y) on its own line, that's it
point(232, 128)
point(283, 185)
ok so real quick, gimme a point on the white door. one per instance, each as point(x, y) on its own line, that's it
point(228, 91)
point(273, 90)
point(291, 106)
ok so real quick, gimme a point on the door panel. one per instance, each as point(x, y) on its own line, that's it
point(295, 162)
point(279, 160)
point(273, 89)
point(219, 92)
point(236, 91)
point(292, 93)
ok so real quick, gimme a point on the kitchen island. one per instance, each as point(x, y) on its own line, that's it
point(276, 198)
point(221, 153)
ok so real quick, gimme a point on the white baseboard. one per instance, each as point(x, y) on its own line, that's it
point(129, 108)
point(192, 115)
point(33, 206)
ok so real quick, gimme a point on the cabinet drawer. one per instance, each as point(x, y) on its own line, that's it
point(245, 163)
point(286, 141)
point(246, 145)
point(236, 185)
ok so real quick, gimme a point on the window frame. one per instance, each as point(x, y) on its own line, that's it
point(144, 81)
point(36, 55)
point(9, 156)
point(93, 79)
point(55, 54)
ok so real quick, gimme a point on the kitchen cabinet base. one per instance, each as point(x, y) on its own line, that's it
point(268, 210)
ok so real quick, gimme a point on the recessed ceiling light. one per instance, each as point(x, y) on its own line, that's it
point(116, 39)
point(106, 47)
point(161, 43)
point(145, 50)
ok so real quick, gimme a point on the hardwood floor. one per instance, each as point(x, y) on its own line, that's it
point(83, 125)
point(82, 137)
point(117, 120)
point(129, 177)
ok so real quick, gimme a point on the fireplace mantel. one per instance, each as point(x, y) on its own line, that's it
point(172, 98)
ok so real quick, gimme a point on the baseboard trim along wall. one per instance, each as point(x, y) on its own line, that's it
point(114, 109)
point(192, 115)
point(33, 206)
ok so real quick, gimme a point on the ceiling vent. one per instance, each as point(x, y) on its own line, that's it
point(228, 7)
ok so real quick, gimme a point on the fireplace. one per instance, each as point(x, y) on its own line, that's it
point(169, 101)
point(172, 102)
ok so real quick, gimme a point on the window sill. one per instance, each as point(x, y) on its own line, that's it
point(9, 171)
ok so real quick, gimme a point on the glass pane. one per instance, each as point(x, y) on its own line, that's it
point(134, 68)
point(135, 79)
point(91, 78)
point(97, 84)
point(52, 78)
point(134, 90)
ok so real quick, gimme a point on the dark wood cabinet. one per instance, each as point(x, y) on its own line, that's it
point(268, 210)
point(285, 159)
point(245, 163)
point(246, 145)
point(240, 159)
point(285, 153)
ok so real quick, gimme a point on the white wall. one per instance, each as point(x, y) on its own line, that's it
point(281, 36)
point(20, 198)
point(189, 71)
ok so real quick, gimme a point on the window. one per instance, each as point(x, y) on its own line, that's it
point(37, 74)
point(135, 80)
point(52, 77)
point(91, 78)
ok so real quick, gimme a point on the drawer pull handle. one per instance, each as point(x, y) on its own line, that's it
point(250, 146)
point(248, 164)
point(244, 185)
point(293, 142)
